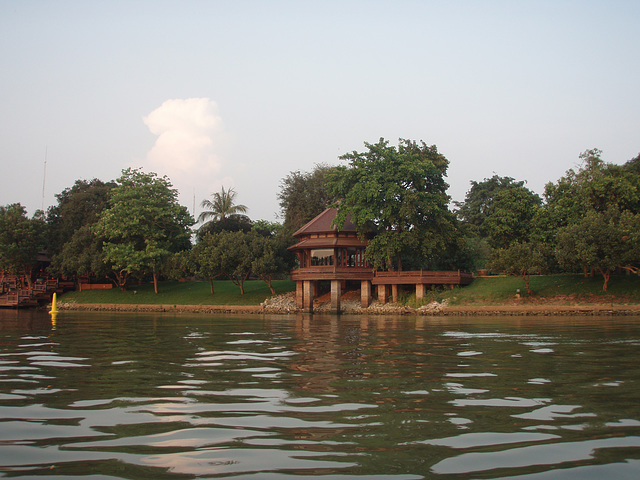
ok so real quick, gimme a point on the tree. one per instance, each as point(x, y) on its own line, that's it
point(81, 255)
point(143, 225)
point(77, 206)
point(231, 223)
point(304, 195)
point(595, 186)
point(511, 216)
point(270, 258)
point(234, 252)
point(399, 194)
point(499, 209)
point(206, 257)
point(21, 238)
point(478, 201)
point(598, 241)
point(521, 260)
point(221, 206)
point(179, 265)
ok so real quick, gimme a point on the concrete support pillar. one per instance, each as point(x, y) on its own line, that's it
point(308, 296)
point(394, 293)
point(420, 291)
point(365, 293)
point(300, 294)
point(382, 293)
point(336, 293)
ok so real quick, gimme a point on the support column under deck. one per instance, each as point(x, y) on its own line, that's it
point(394, 293)
point(420, 291)
point(336, 293)
point(300, 294)
point(365, 293)
point(308, 296)
point(382, 293)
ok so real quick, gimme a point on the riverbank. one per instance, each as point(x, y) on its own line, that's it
point(554, 295)
point(285, 305)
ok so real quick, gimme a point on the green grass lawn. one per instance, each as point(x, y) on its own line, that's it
point(483, 291)
point(566, 287)
point(183, 293)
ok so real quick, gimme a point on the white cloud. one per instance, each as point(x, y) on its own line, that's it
point(190, 146)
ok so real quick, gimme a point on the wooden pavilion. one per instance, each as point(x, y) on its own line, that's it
point(337, 256)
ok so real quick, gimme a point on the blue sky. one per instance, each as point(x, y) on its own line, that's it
point(241, 93)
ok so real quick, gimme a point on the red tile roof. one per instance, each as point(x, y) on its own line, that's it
point(323, 224)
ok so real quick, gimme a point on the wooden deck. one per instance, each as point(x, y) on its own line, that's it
point(422, 277)
point(13, 295)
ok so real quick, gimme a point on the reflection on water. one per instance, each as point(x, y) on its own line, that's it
point(164, 396)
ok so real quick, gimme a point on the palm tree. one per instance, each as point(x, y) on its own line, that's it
point(221, 206)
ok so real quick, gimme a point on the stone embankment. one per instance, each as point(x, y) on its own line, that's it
point(285, 304)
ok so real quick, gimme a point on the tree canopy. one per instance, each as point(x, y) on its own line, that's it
point(143, 225)
point(304, 195)
point(221, 206)
point(77, 206)
point(499, 209)
point(21, 238)
point(398, 193)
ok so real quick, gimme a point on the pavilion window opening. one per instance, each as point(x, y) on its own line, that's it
point(351, 257)
point(322, 257)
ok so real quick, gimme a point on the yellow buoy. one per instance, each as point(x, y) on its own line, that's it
point(54, 304)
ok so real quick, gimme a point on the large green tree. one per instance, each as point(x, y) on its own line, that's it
point(499, 209)
point(304, 195)
point(270, 258)
point(235, 256)
point(143, 225)
point(21, 238)
point(400, 195)
point(230, 223)
point(82, 254)
point(522, 260)
point(77, 206)
point(206, 255)
point(601, 241)
point(594, 186)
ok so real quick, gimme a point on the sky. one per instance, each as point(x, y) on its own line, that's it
point(240, 94)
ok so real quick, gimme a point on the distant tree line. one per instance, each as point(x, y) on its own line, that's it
point(133, 228)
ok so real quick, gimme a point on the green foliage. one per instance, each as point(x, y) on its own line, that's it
point(21, 238)
point(601, 241)
point(500, 210)
point(221, 205)
point(179, 265)
point(231, 223)
point(267, 228)
point(270, 258)
point(400, 195)
point(143, 225)
point(77, 206)
point(510, 219)
point(303, 196)
point(234, 252)
point(81, 255)
point(521, 260)
point(596, 186)
point(206, 258)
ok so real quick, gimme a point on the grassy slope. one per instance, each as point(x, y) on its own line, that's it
point(560, 289)
point(183, 293)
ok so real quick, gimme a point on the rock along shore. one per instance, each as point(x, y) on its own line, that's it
point(285, 304)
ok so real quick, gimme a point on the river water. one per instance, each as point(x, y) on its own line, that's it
point(163, 396)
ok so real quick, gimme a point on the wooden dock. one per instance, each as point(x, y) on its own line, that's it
point(422, 277)
point(15, 292)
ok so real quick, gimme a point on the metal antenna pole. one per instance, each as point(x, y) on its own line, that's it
point(44, 176)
